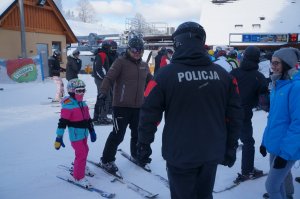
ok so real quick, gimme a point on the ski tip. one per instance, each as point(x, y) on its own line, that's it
point(152, 196)
point(112, 195)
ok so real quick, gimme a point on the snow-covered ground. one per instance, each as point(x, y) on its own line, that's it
point(29, 161)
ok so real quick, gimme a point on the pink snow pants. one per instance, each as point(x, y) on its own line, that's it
point(59, 87)
point(81, 152)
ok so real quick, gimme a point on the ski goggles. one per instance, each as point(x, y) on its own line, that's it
point(136, 50)
point(80, 90)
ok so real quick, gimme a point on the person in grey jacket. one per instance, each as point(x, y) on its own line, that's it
point(73, 65)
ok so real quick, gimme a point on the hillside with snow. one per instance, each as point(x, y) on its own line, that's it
point(83, 29)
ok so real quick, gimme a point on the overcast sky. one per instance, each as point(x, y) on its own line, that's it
point(115, 12)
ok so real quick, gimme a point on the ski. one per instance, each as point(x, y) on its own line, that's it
point(226, 188)
point(136, 188)
point(99, 191)
point(237, 184)
point(53, 104)
point(146, 167)
point(119, 178)
point(70, 169)
point(117, 174)
point(131, 159)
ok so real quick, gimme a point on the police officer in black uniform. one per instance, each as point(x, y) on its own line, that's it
point(203, 116)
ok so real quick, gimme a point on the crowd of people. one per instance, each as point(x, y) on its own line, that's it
point(207, 98)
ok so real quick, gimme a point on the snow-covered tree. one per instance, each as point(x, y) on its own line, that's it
point(86, 11)
point(70, 15)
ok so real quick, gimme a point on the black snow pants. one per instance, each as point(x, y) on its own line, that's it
point(122, 117)
point(101, 110)
point(248, 141)
point(195, 183)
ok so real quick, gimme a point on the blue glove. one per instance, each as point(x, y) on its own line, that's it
point(59, 142)
point(93, 136)
point(143, 153)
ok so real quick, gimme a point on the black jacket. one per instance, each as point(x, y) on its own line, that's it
point(100, 65)
point(251, 84)
point(202, 109)
point(54, 66)
point(112, 57)
point(73, 67)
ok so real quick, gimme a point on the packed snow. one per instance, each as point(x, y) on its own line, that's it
point(29, 162)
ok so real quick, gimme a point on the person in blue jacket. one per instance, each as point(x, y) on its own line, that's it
point(282, 134)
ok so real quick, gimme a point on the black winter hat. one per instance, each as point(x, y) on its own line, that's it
point(252, 53)
point(191, 27)
point(136, 42)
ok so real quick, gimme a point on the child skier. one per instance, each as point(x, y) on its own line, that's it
point(75, 115)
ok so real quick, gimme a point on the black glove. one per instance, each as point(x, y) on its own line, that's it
point(143, 153)
point(101, 97)
point(279, 163)
point(230, 158)
point(263, 150)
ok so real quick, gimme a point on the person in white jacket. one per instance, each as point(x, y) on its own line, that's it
point(222, 60)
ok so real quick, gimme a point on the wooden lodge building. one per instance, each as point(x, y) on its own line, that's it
point(45, 30)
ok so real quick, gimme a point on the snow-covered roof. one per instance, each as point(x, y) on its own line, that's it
point(4, 4)
point(245, 16)
point(82, 29)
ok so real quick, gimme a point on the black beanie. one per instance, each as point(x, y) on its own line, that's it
point(252, 53)
point(195, 30)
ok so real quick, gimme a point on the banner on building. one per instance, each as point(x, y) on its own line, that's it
point(21, 70)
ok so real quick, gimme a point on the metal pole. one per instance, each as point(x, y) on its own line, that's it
point(22, 25)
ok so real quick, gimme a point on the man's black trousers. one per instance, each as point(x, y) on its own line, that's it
point(122, 117)
point(195, 183)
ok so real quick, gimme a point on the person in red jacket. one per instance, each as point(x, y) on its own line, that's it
point(100, 68)
point(166, 58)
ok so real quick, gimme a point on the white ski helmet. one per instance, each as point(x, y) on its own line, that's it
point(73, 84)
